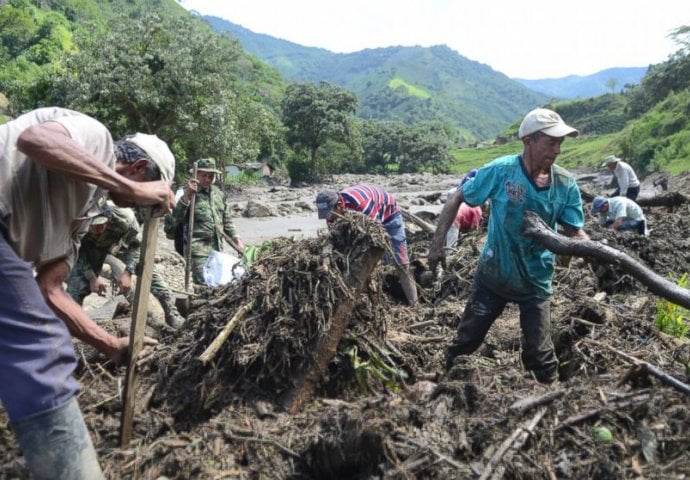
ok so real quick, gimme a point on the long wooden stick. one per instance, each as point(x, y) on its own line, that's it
point(657, 372)
point(411, 217)
point(229, 239)
point(212, 350)
point(190, 230)
point(136, 334)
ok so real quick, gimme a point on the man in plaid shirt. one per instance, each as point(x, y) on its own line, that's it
point(380, 205)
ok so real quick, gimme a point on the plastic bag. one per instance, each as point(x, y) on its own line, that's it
point(222, 268)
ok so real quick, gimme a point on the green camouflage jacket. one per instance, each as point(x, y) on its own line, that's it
point(210, 209)
point(121, 238)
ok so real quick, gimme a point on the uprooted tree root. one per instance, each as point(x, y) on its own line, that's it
point(293, 298)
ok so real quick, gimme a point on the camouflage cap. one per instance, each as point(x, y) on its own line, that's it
point(207, 165)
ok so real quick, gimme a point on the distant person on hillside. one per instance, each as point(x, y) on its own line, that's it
point(628, 183)
point(619, 213)
point(380, 205)
point(513, 267)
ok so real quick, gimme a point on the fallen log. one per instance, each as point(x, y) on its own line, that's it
point(361, 267)
point(615, 405)
point(669, 200)
point(411, 217)
point(526, 404)
point(534, 226)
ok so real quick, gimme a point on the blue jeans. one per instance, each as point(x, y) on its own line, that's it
point(396, 231)
point(37, 357)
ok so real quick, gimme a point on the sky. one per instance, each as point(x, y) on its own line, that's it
point(531, 39)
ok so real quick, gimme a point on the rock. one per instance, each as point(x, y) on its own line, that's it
point(257, 209)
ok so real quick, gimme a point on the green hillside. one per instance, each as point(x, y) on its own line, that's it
point(475, 100)
point(144, 65)
point(148, 65)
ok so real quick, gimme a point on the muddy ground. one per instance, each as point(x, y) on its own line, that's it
point(384, 407)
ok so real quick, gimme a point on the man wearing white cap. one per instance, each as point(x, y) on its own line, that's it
point(513, 267)
point(628, 183)
point(54, 166)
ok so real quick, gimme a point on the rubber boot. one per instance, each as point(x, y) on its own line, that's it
point(408, 285)
point(172, 316)
point(57, 446)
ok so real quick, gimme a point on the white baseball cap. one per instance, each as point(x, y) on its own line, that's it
point(158, 151)
point(545, 121)
point(609, 160)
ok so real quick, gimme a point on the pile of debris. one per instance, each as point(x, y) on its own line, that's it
point(326, 373)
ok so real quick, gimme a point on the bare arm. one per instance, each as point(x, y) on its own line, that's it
point(446, 218)
point(80, 325)
point(50, 145)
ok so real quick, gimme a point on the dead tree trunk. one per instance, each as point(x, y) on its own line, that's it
point(360, 269)
point(411, 217)
point(669, 200)
point(534, 226)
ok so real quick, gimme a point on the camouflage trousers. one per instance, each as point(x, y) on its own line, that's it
point(201, 249)
point(79, 288)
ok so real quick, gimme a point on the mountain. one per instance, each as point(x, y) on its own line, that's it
point(408, 84)
point(574, 86)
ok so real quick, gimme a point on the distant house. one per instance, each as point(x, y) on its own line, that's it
point(264, 169)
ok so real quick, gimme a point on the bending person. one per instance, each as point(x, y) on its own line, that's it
point(380, 205)
point(54, 165)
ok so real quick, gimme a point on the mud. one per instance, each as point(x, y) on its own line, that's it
point(385, 408)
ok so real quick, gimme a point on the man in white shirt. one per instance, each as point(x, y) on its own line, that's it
point(54, 166)
point(628, 184)
point(619, 213)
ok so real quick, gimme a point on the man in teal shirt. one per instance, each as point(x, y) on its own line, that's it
point(513, 267)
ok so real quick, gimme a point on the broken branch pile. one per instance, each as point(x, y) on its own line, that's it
point(275, 331)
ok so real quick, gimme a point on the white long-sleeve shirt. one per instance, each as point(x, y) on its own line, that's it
point(626, 177)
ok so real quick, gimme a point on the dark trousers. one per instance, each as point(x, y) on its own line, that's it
point(632, 192)
point(482, 310)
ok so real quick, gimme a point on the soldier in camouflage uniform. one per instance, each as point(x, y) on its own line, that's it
point(117, 232)
point(211, 214)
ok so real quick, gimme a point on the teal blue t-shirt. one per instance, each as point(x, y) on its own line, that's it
point(513, 265)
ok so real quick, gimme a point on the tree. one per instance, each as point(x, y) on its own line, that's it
point(667, 77)
point(426, 147)
point(32, 44)
point(381, 144)
point(611, 84)
point(171, 77)
point(315, 114)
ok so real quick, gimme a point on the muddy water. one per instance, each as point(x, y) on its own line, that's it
point(257, 230)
